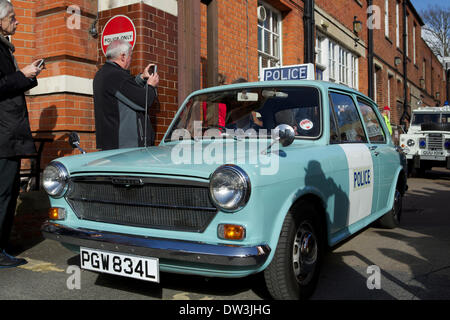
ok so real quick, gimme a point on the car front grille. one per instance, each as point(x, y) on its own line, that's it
point(142, 202)
point(435, 141)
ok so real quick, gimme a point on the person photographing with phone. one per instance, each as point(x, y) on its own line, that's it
point(15, 134)
point(121, 101)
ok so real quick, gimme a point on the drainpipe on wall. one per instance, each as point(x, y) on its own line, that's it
point(370, 75)
point(405, 114)
point(309, 26)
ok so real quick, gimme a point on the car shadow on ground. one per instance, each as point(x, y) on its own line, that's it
point(415, 259)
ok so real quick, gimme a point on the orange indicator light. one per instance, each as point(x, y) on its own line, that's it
point(231, 232)
point(56, 214)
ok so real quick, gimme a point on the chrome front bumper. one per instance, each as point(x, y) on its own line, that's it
point(167, 250)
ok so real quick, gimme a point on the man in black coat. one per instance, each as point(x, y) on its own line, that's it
point(120, 100)
point(15, 133)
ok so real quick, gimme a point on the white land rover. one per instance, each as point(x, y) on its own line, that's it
point(427, 143)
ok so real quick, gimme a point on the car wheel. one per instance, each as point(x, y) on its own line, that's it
point(294, 270)
point(391, 219)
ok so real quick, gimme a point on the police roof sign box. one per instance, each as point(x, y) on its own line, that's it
point(293, 72)
point(118, 27)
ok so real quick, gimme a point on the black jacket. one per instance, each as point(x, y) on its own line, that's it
point(15, 133)
point(119, 105)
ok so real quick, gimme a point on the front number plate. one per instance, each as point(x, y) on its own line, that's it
point(142, 268)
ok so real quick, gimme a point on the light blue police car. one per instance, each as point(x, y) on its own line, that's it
point(249, 178)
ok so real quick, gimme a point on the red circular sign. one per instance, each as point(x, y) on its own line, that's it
point(118, 27)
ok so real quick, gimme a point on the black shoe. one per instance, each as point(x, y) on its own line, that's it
point(8, 261)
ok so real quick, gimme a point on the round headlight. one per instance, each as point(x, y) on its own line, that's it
point(230, 188)
point(55, 179)
point(410, 143)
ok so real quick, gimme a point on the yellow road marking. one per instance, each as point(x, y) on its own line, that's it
point(40, 266)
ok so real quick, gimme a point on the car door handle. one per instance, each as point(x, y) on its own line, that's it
point(373, 148)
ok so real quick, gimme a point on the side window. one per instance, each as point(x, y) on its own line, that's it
point(349, 124)
point(334, 135)
point(373, 126)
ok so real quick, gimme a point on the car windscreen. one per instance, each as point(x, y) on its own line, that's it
point(420, 118)
point(249, 111)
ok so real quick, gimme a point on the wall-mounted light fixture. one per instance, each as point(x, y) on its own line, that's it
point(438, 94)
point(422, 83)
point(357, 28)
point(93, 29)
point(357, 25)
point(397, 61)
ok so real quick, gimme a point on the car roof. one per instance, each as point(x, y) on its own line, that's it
point(325, 85)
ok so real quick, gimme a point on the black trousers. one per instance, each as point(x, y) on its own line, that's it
point(9, 192)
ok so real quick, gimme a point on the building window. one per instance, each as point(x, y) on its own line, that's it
point(343, 66)
point(320, 61)
point(386, 18)
point(319, 49)
point(339, 64)
point(397, 24)
point(269, 38)
point(354, 71)
point(331, 61)
point(389, 90)
point(414, 43)
point(375, 86)
point(424, 73)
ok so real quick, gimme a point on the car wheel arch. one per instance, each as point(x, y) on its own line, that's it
point(309, 197)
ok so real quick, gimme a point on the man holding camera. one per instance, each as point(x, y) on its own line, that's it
point(15, 133)
point(120, 101)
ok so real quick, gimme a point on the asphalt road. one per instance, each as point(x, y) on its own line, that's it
point(414, 261)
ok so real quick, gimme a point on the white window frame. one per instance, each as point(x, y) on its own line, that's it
point(414, 43)
point(319, 49)
point(375, 87)
point(332, 63)
point(273, 60)
point(343, 66)
point(340, 64)
point(386, 18)
point(397, 24)
point(389, 90)
point(354, 72)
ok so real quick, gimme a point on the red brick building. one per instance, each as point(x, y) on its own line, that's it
point(364, 44)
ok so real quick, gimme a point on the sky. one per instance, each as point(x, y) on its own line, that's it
point(425, 4)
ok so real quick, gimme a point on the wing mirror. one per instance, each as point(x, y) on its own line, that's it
point(284, 134)
point(74, 141)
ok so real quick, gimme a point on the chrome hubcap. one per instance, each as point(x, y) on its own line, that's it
point(304, 255)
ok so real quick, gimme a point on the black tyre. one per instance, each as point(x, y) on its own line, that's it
point(294, 270)
point(391, 219)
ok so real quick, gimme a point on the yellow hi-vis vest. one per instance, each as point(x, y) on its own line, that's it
point(388, 124)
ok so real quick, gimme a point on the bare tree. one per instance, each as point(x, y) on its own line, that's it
point(436, 31)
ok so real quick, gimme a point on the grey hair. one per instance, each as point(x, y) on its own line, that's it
point(116, 48)
point(5, 8)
